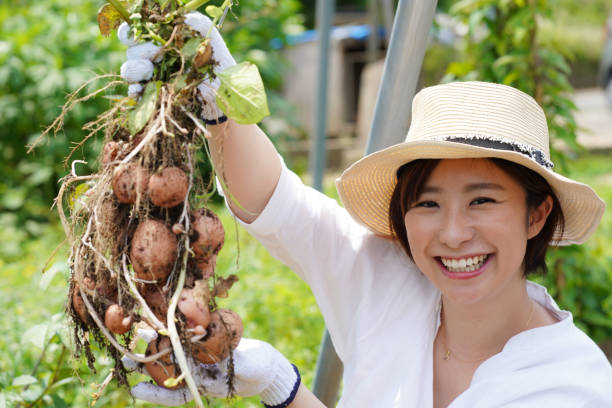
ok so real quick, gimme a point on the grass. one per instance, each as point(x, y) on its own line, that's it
point(276, 306)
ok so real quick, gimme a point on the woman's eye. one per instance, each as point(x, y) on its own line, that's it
point(426, 204)
point(482, 200)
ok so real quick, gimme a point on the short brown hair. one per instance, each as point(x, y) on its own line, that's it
point(411, 179)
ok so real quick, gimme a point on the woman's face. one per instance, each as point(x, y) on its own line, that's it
point(468, 230)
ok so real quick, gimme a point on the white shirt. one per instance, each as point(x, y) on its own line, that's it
point(382, 315)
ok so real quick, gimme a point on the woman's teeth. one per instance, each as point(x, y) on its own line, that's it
point(464, 264)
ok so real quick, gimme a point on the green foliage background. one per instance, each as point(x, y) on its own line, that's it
point(508, 42)
point(47, 49)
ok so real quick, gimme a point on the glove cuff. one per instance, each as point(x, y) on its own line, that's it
point(217, 121)
point(283, 389)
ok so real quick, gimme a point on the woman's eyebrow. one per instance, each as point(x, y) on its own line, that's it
point(469, 188)
point(483, 186)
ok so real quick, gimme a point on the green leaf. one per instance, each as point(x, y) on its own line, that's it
point(2, 401)
point(460, 69)
point(114, 98)
point(510, 59)
point(58, 402)
point(77, 193)
point(242, 96)
point(555, 59)
point(214, 11)
point(48, 275)
point(23, 380)
point(191, 47)
point(37, 335)
point(179, 82)
point(138, 118)
point(61, 382)
point(597, 319)
point(511, 77)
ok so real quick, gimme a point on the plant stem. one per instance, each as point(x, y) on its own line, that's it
point(226, 4)
point(53, 380)
point(120, 9)
point(173, 334)
point(194, 4)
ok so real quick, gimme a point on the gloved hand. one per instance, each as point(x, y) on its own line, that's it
point(259, 369)
point(141, 57)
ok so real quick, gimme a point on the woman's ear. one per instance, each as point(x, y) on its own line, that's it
point(538, 217)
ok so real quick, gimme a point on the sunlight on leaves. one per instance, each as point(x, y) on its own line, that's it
point(48, 274)
point(242, 96)
point(108, 19)
point(37, 335)
point(23, 380)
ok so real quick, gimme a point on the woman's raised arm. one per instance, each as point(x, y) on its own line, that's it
point(248, 165)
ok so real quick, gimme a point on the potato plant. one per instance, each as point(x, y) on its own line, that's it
point(143, 240)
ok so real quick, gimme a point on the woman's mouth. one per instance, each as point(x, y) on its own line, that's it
point(463, 268)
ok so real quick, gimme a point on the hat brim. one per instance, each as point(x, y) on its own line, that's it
point(365, 188)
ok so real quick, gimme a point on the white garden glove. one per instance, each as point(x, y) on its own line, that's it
point(259, 369)
point(140, 59)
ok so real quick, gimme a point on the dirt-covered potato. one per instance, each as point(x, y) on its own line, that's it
point(163, 368)
point(116, 320)
point(153, 250)
point(157, 302)
point(195, 309)
point(209, 236)
point(130, 181)
point(168, 187)
point(79, 305)
point(224, 334)
point(110, 152)
point(207, 266)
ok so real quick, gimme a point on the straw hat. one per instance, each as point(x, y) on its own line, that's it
point(468, 120)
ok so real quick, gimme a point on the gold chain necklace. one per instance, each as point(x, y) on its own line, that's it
point(448, 352)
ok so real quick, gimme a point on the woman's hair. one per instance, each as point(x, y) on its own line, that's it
point(411, 179)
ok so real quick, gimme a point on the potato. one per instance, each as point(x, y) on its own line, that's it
point(116, 320)
point(178, 229)
point(153, 250)
point(130, 181)
point(194, 309)
point(209, 233)
point(162, 368)
point(89, 283)
point(110, 152)
point(224, 334)
point(157, 302)
point(168, 187)
point(207, 266)
point(106, 290)
point(79, 305)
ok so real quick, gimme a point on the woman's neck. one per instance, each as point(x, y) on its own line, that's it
point(477, 331)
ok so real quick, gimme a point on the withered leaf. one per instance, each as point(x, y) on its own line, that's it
point(108, 19)
point(223, 285)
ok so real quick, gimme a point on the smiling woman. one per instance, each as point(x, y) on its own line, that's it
point(421, 276)
point(411, 186)
point(474, 203)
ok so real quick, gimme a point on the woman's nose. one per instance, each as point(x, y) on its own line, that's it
point(456, 229)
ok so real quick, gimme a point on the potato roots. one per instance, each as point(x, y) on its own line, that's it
point(141, 232)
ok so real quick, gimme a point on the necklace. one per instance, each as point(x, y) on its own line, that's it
point(448, 353)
